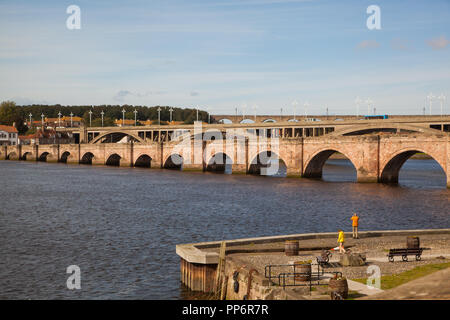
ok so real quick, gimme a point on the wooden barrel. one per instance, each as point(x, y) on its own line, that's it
point(338, 286)
point(304, 269)
point(291, 247)
point(412, 242)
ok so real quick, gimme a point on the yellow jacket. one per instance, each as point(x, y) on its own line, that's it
point(341, 236)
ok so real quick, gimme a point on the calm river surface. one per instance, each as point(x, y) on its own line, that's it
point(121, 225)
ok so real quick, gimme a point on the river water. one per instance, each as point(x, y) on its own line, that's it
point(121, 225)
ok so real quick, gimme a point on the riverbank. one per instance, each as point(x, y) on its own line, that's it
point(247, 261)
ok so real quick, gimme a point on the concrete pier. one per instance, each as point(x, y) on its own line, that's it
point(199, 260)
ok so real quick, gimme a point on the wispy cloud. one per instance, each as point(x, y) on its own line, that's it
point(123, 94)
point(367, 44)
point(438, 43)
point(400, 44)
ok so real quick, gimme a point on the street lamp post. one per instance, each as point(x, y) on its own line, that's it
point(90, 118)
point(123, 117)
point(430, 98)
point(306, 105)
point(369, 103)
point(442, 99)
point(159, 115)
point(102, 113)
point(357, 102)
point(254, 110)
point(71, 119)
point(59, 119)
point(281, 114)
point(294, 106)
point(135, 117)
point(170, 113)
point(31, 123)
point(197, 113)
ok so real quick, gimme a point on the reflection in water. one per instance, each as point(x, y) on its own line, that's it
point(121, 225)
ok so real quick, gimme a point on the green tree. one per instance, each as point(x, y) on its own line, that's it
point(10, 115)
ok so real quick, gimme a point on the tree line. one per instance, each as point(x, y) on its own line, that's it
point(11, 113)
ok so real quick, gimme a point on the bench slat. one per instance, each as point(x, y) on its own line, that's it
point(405, 251)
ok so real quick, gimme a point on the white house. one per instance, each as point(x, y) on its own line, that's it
point(8, 135)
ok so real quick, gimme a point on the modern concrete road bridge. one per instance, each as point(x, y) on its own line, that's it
point(285, 129)
point(241, 119)
point(376, 157)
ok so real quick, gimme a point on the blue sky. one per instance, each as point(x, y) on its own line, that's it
point(223, 54)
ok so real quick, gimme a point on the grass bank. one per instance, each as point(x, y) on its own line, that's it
point(392, 281)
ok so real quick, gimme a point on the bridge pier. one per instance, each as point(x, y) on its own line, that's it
point(293, 172)
point(193, 167)
point(3, 152)
point(239, 169)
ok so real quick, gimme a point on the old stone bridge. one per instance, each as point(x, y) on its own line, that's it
point(376, 157)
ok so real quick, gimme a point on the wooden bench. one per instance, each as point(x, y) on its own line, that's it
point(404, 253)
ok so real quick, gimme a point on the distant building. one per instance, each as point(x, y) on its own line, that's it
point(29, 139)
point(125, 123)
point(155, 122)
point(52, 123)
point(8, 135)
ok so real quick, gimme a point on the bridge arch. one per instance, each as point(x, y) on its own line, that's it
point(219, 162)
point(293, 120)
point(225, 121)
point(115, 137)
point(12, 156)
point(143, 161)
point(267, 163)
point(384, 127)
point(246, 120)
point(27, 156)
point(64, 156)
point(174, 162)
point(314, 165)
point(87, 158)
point(391, 169)
point(44, 156)
point(113, 160)
point(269, 120)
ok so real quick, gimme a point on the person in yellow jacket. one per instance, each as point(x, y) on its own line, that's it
point(341, 239)
point(355, 220)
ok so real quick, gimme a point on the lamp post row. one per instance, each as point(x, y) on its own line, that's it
point(430, 97)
